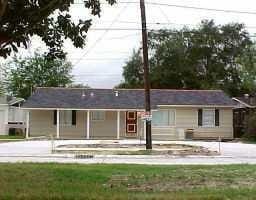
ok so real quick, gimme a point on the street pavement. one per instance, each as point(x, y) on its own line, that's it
point(40, 151)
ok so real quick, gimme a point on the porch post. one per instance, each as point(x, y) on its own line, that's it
point(27, 124)
point(88, 125)
point(118, 124)
point(58, 124)
point(144, 129)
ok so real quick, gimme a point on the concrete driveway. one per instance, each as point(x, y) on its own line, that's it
point(40, 151)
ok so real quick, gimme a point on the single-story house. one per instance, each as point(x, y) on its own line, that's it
point(11, 116)
point(116, 113)
point(246, 105)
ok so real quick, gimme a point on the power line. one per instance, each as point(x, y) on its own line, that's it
point(100, 59)
point(122, 37)
point(97, 75)
point(186, 7)
point(151, 29)
point(162, 23)
point(164, 14)
point(111, 52)
point(202, 8)
point(102, 36)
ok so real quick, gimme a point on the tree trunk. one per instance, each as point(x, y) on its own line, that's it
point(3, 4)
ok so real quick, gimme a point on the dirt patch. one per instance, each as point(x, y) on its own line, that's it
point(135, 149)
point(125, 146)
point(175, 182)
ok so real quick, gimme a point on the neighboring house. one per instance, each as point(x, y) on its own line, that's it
point(116, 113)
point(11, 116)
point(246, 106)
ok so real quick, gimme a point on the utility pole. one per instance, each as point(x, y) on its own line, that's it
point(146, 73)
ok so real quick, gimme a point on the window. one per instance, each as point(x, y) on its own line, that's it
point(98, 115)
point(131, 115)
point(208, 118)
point(163, 118)
point(131, 128)
point(66, 117)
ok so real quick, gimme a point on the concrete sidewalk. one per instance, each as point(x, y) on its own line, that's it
point(40, 151)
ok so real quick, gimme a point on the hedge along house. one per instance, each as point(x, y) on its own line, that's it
point(115, 114)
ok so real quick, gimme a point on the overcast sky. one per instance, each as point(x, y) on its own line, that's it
point(100, 64)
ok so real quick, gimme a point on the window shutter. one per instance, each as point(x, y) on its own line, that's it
point(73, 117)
point(217, 117)
point(55, 117)
point(200, 117)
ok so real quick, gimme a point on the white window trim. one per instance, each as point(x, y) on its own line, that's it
point(170, 126)
point(208, 126)
point(134, 112)
point(134, 128)
point(98, 120)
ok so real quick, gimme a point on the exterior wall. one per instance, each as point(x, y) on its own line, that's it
point(187, 118)
point(3, 119)
point(41, 124)
point(108, 128)
point(16, 115)
point(225, 130)
point(75, 131)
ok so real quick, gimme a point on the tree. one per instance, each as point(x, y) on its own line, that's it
point(133, 72)
point(171, 65)
point(3, 4)
point(2, 91)
point(250, 129)
point(200, 58)
point(247, 72)
point(37, 71)
point(49, 19)
point(2, 85)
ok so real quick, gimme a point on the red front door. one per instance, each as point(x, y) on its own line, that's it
point(131, 123)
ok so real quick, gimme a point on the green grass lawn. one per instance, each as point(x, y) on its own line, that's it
point(11, 137)
point(64, 181)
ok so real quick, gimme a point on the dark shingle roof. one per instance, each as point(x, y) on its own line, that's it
point(126, 99)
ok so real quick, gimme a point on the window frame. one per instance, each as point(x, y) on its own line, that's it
point(71, 118)
point(134, 115)
point(170, 125)
point(208, 126)
point(98, 120)
point(134, 128)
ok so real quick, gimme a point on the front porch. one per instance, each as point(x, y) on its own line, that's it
point(85, 124)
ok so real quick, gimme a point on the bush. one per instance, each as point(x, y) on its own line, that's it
point(250, 131)
point(15, 132)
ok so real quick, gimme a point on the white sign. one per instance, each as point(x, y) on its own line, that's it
point(147, 116)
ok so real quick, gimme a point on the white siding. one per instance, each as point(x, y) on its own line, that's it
point(3, 120)
point(41, 123)
point(187, 118)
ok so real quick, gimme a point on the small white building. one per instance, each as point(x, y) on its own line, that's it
point(11, 116)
